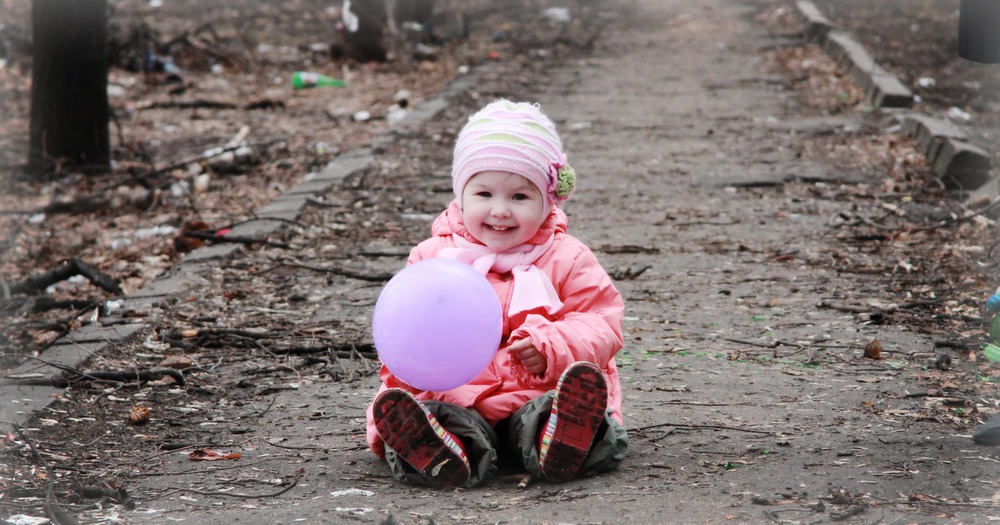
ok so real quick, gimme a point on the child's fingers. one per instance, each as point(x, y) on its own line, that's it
point(519, 345)
point(530, 358)
point(526, 354)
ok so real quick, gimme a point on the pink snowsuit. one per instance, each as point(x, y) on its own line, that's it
point(587, 328)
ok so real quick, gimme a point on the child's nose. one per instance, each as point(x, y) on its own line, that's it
point(501, 209)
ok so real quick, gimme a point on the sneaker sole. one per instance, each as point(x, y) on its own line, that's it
point(581, 399)
point(403, 425)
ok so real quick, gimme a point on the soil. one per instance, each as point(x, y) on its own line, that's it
point(803, 332)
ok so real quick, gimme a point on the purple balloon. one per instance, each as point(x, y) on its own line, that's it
point(437, 324)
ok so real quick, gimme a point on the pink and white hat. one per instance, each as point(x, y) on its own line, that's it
point(515, 137)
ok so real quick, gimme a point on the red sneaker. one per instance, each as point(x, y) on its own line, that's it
point(415, 434)
point(577, 411)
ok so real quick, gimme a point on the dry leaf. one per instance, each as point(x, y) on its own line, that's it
point(204, 454)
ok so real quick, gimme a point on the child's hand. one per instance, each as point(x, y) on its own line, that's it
point(531, 359)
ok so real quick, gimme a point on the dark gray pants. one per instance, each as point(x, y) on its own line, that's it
point(514, 439)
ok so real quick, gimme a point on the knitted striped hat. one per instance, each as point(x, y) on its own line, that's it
point(515, 137)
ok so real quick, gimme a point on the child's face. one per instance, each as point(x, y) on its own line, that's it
point(502, 210)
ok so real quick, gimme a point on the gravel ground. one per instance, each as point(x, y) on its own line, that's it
point(801, 346)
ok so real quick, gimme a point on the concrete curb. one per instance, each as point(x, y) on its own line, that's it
point(954, 159)
point(957, 162)
point(881, 88)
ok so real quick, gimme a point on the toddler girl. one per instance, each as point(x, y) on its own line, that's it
point(550, 399)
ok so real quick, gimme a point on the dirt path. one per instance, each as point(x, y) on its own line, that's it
point(725, 208)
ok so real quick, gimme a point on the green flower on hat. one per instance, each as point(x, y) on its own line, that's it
point(565, 180)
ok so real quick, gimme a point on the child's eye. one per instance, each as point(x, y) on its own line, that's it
point(521, 197)
point(484, 194)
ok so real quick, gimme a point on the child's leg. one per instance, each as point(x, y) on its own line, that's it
point(434, 443)
point(569, 430)
point(480, 441)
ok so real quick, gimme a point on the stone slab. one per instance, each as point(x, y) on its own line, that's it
point(139, 306)
point(284, 215)
point(962, 165)
point(283, 204)
point(64, 353)
point(20, 402)
point(886, 91)
point(172, 284)
point(311, 188)
point(257, 228)
point(424, 112)
point(344, 166)
point(214, 251)
point(927, 132)
point(97, 332)
point(817, 24)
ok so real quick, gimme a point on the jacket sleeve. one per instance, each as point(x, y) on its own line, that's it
point(587, 328)
point(425, 250)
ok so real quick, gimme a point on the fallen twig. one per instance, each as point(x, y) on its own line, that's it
point(628, 274)
point(187, 104)
point(293, 447)
point(292, 481)
point(699, 427)
point(376, 277)
point(772, 344)
point(62, 272)
point(44, 304)
point(844, 308)
point(52, 508)
point(982, 211)
point(209, 332)
point(206, 236)
point(912, 228)
point(958, 345)
point(340, 350)
point(71, 375)
point(989, 251)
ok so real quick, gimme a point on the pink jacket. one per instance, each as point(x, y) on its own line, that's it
point(587, 328)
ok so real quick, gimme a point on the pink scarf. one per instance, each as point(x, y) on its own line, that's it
point(532, 287)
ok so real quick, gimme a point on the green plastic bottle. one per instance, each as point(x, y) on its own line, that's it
point(309, 79)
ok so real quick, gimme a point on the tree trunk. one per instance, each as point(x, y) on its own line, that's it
point(69, 79)
point(371, 42)
point(367, 43)
point(419, 11)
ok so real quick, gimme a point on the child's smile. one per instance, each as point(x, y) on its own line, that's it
point(502, 210)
